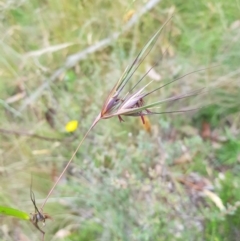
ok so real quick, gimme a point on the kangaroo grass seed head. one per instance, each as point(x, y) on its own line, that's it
point(133, 103)
point(130, 104)
point(115, 105)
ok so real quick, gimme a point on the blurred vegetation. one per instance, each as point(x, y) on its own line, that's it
point(176, 178)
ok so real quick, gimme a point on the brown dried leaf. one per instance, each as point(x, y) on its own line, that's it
point(49, 115)
point(16, 97)
point(185, 158)
point(128, 15)
point(206, 132)
point(147, 124)
point(196, 182)
point(215, 198)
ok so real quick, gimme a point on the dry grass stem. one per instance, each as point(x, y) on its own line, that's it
point(114, 105)
point(133, 103)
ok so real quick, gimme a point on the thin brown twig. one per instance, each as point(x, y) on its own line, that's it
point(73, 59)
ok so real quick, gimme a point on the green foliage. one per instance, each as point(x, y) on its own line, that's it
point(226, 228)
point(14, 213)
point(88, 231)
point(230, 152)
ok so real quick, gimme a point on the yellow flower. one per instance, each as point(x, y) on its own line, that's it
point(71, 126)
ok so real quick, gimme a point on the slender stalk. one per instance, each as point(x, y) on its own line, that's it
point(70, 160)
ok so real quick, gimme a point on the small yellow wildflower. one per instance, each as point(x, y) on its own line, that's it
point(71, 126)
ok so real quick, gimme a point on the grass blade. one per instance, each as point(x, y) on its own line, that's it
point(69, 162)
point(140, 57)
point(129, 71)
point(14, 213)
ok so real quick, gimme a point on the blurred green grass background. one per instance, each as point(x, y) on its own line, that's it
point(126, 182)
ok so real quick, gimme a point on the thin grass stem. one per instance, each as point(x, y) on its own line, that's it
point(70, 160)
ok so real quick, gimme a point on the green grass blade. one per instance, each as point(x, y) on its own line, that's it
point(14, 213)
point(130, 70)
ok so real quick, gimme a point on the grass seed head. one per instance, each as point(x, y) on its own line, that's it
point(132, 103)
